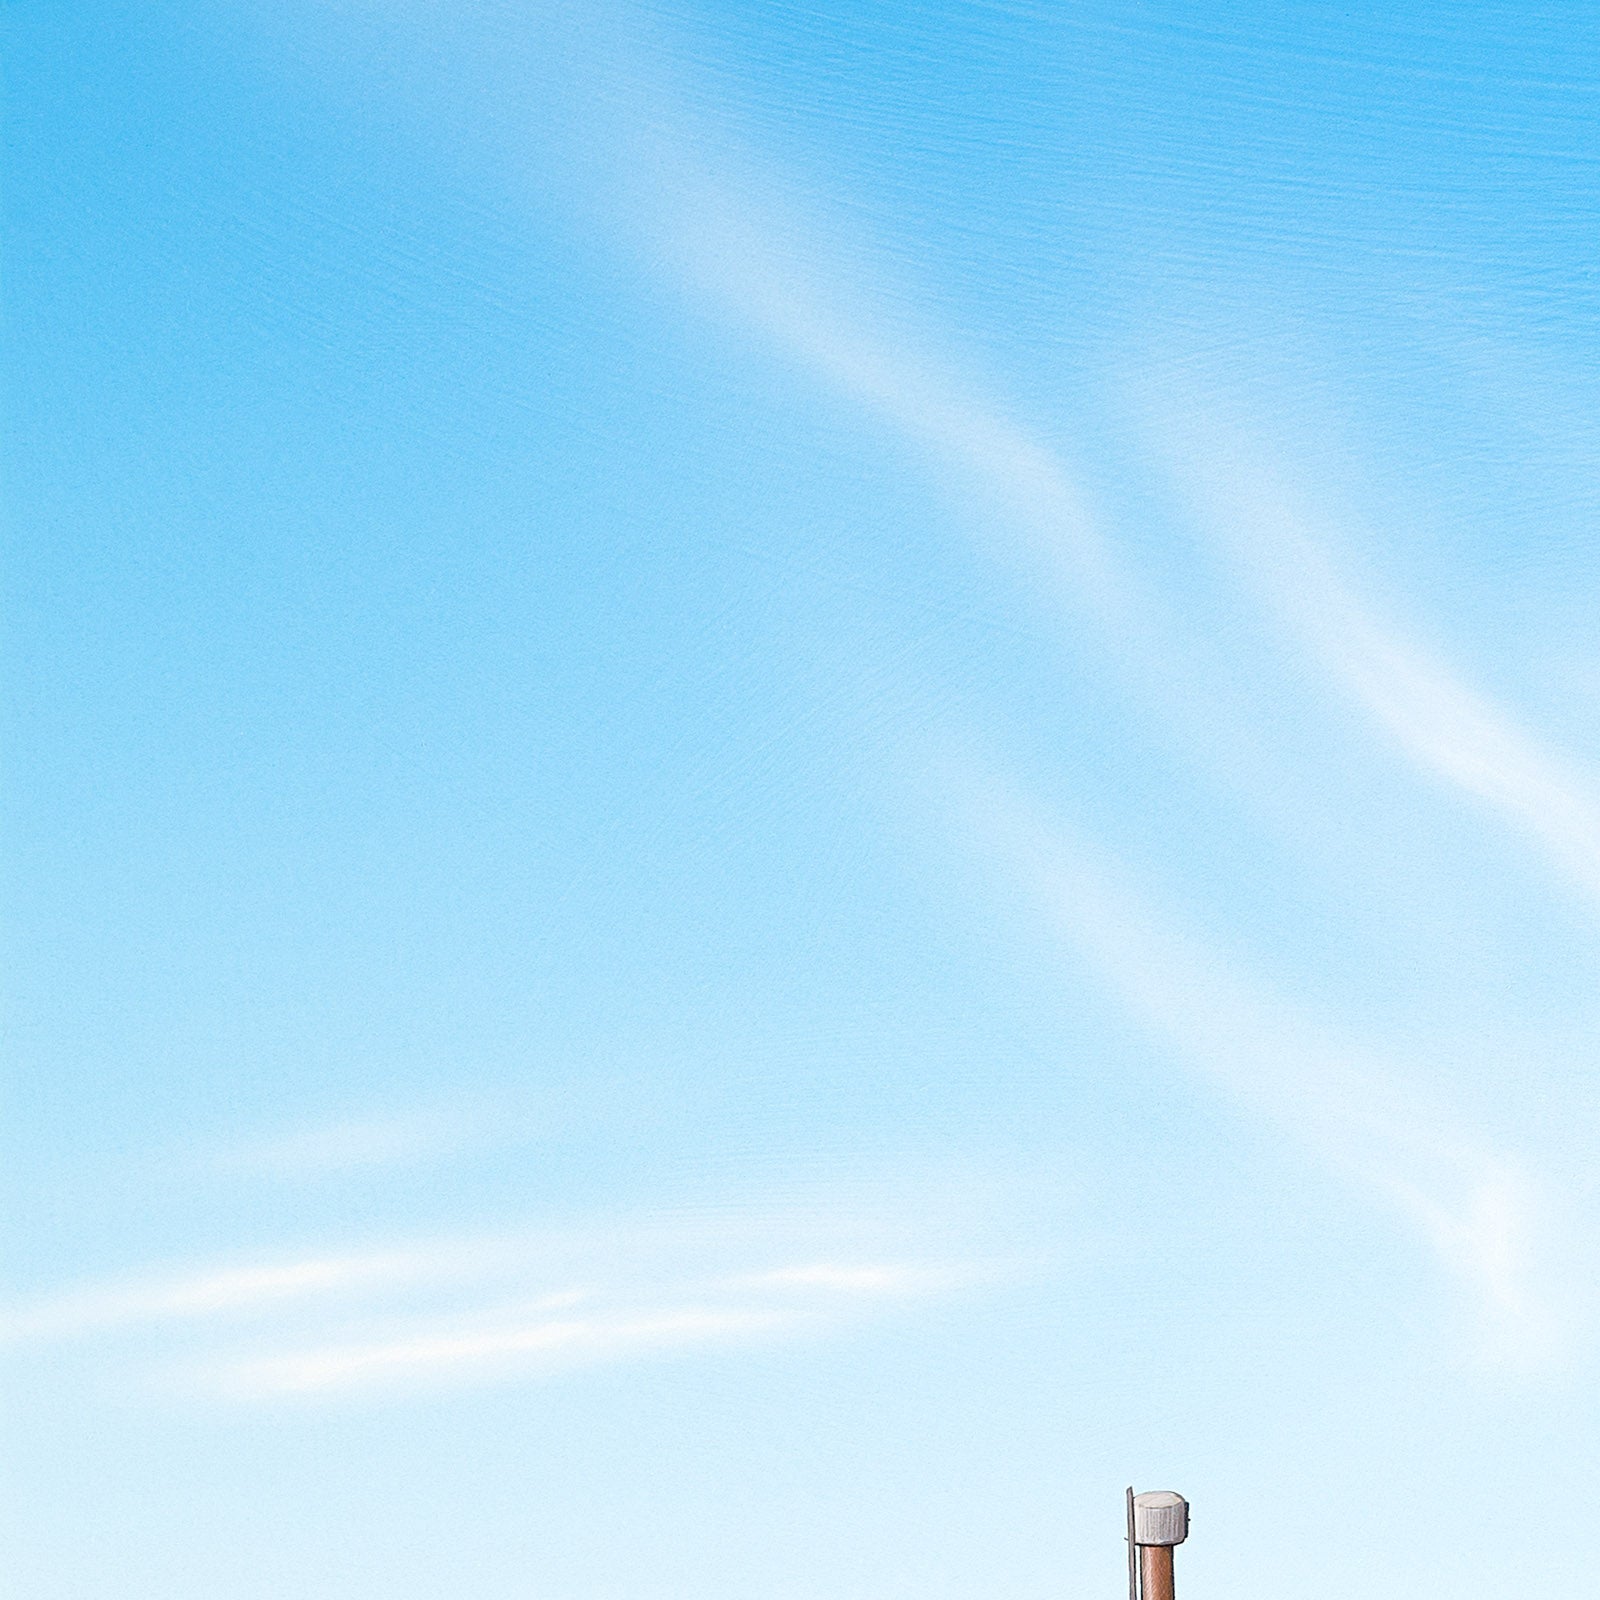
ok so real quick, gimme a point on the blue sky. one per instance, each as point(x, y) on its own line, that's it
point(786, 783)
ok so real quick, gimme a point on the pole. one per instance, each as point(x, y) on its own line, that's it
point(1158, 1522)
point(1155, 1571)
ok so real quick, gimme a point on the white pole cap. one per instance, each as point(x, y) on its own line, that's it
point(1160, 1517)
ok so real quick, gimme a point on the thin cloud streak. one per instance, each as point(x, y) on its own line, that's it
point(1474, 1206)
point(722, 229)
point(494, 1307)
point(1440, 724)
point(784, 281)
point(1443, 727)
point(1027, 480)
point(483, 1343)
point(217, 1293)
point(541, 1345)
point(728, 247)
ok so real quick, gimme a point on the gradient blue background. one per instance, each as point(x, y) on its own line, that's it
point(919, 679)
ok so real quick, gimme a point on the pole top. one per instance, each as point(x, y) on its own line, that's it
point(1160, 1517)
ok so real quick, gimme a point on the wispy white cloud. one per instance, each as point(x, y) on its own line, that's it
point(1440, 723)
point(539, 1344)
point(736, 240)
point(735, 243)
point(491, 1306)
point(482, 1342)
point(1473, 1205)
point(208, 1293)
point(1024, 480)
point(1431, 714)
point(625, 1319)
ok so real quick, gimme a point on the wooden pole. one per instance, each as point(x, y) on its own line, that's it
point(1158, 1523)
point(1155, 1572)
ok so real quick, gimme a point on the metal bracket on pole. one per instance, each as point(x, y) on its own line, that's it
point(1133, 1552)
